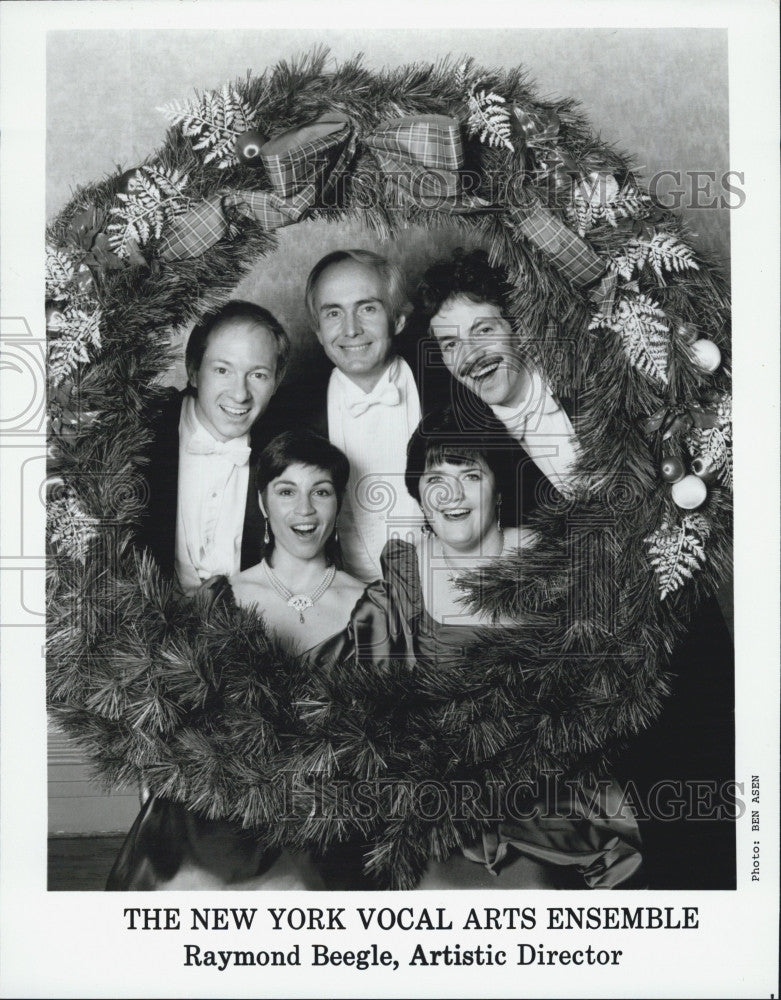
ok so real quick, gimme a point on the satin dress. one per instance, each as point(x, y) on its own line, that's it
point(171, 846)
point(567, 846)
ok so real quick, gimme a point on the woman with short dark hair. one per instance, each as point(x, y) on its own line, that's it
point(298, 587)
point(457, 480)
point(318, 613)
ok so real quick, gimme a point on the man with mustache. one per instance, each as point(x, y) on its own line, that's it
point(466, 303)
point(202, 517)
point(691, 744)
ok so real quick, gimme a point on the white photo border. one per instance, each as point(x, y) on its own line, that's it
point(77, 944)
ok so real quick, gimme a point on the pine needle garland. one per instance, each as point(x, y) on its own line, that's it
point(196, 698)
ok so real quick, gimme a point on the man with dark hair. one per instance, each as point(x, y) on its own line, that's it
point(467, 304)
point(203, 516)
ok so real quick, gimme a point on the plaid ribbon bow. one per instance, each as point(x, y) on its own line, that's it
point(303, 166)
point(672, 420)
point(422, 157)
point(570, 254)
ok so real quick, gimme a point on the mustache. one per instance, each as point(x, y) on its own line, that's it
point(471, 365)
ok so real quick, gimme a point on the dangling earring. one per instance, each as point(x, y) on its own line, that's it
point(425, 528)
point(266, 536)
point(499, 514)
point(336, 534)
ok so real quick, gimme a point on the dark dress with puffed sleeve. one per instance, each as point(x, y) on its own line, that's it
point(171, 846)
point(563, 845)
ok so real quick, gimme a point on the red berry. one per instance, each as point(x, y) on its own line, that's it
point(672, 469)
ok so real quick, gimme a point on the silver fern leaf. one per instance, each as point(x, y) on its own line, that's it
point(69, 527)
point(598, 197)
point(77, 331)
point(489, 118)
point(644, 332)
point(214, 119)
point(156, 199)
point(580, 214)
point(714, 446)
point(629, 259)
point(677, 552)
point(667, 253)
point(59, 271)
point(631, 202)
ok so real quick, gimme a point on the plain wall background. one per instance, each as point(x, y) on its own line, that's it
point(659, 94)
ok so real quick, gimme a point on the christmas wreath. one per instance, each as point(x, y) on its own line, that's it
point(201, 703)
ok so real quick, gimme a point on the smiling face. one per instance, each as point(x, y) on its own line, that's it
point(459, 502)
point(354, 324)
point(479, 350)
point(236, 379)
point(301, 506)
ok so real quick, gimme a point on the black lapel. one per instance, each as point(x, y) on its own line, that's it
point(254, 524)
point(158, 528)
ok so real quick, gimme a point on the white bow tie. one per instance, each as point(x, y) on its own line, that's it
point(387, 395)
point(234, 451)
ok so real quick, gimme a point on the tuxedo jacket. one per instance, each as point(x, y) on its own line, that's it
point(302, 401)
point(157, 531)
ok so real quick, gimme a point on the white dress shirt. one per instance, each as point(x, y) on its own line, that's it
point(372, 429)
point(211, 501)
point(540, 424)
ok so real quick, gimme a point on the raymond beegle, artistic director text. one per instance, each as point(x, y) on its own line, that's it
point(499, 943)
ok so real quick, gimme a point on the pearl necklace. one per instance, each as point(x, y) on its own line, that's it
point(299, 602)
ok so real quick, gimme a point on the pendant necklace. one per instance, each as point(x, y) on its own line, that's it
point(299, 602)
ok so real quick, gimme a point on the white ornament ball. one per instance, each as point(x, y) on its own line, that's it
point(706, 354)
point(689, 492)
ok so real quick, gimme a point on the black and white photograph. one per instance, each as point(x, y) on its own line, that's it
point(378, 526)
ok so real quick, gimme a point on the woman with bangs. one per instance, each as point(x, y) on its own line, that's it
point(319, 614)
point(465, 304)
point(458, 481)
